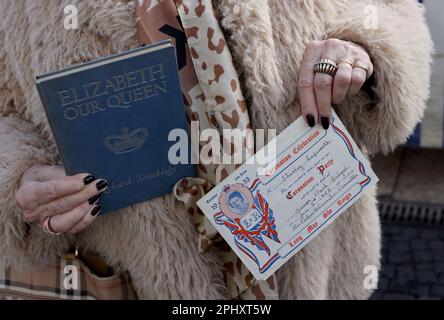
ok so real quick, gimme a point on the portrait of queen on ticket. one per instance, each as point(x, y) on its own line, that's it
point(249, 218)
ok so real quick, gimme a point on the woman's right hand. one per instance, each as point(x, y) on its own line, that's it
point(69, 201)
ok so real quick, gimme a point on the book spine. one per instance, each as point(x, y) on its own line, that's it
point(54, 131)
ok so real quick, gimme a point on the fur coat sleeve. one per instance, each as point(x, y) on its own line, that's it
point(21, 146)
point(35, 42)
point(399, 44)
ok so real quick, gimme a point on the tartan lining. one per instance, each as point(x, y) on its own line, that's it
point(90, 286)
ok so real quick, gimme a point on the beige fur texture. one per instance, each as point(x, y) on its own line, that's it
point(155, 240)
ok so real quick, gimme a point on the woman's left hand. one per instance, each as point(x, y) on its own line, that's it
point(318, 91)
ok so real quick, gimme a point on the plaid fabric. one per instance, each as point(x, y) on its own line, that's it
point(55, 282)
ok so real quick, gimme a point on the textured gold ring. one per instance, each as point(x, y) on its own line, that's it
point(326, 66)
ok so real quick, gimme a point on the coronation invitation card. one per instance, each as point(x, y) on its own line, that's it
point(269, 210)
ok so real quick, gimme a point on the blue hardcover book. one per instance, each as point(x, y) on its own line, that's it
point(111, 117)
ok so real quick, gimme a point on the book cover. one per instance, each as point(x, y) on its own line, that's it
point(112, 117)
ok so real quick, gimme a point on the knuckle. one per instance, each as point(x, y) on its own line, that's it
point(354, 51)
point(50, 190)
point(21, 198)
point(61, 206)
point(333, 42)
point(313, 45)
point(304, 83)
point(76, 182)
point(30, 216)
point(25, 194)
point(78, 177)
point(358, 78)
point(56, 207)
point(323, 83)
point(46, 211)
point(342, 79)
point(311, 49)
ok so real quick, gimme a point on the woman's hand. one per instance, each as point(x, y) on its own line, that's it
point(69, 201)
point(318, 91)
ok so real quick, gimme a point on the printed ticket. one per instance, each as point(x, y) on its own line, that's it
point(269, 210)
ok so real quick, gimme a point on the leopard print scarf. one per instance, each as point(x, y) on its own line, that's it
point(213, 97)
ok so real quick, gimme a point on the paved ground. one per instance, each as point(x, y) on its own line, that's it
point(413, 263)
point(412, 254)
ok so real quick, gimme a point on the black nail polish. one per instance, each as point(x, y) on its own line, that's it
point(96, 210)
point(325, 123)
point(88, 179)
point(310, 120)
point(102, 184)
point(94, 199)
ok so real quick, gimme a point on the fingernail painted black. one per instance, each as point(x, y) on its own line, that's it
point(94, 199)
point(310, 120)
point(87, 180)
point(102, 184)
point(325, 123)
point(96, 210)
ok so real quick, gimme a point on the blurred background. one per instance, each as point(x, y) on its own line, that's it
point(411, 194)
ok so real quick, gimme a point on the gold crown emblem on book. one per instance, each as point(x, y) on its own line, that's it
point(127, 141)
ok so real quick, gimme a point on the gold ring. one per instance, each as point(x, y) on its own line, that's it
point(46, 226)
point(360, 66)
point(326, 66)
point(351, 64)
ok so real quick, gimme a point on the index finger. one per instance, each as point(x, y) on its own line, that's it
point(42, 173)
point(33, 194)
point(306, 81)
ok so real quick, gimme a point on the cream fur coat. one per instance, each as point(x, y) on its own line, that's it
point(154, 240)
